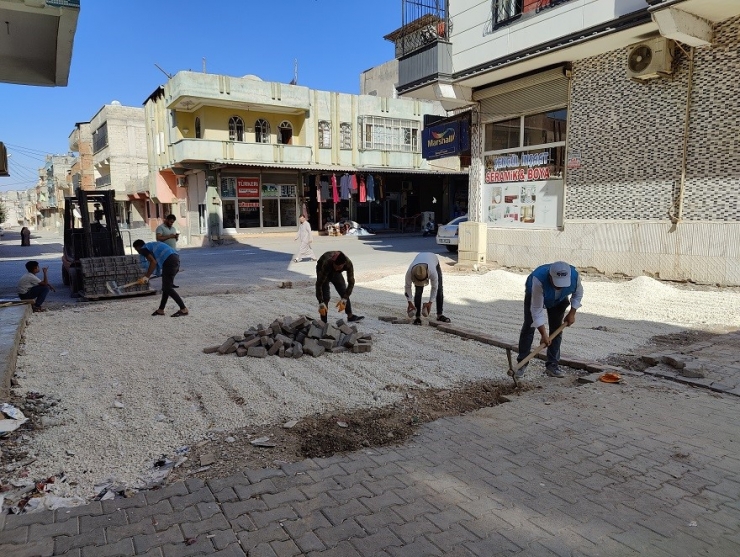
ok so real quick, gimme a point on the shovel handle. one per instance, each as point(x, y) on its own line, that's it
point(539, 349)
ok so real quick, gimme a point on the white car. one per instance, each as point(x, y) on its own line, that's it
point(447, 234)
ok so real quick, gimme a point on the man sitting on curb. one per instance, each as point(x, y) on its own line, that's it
point(31, 287)
point(423, 269)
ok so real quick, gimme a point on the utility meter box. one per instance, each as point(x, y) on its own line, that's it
point(473, 241)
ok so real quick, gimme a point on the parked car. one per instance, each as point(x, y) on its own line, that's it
point(447, 234)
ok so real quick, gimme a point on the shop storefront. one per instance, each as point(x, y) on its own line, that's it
point(524, 152)
point(256, 200)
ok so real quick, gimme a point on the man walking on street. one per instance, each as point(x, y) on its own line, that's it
point(424, 269)
point(329, 269)
point(546, 298)
point(159, 253)
point(305, 239)
point(167, 233)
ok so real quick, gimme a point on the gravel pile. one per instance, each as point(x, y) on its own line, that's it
point(134, 387)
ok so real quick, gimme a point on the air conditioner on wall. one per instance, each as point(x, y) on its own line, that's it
point(650, 59)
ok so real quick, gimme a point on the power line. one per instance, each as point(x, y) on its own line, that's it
point(30, 149)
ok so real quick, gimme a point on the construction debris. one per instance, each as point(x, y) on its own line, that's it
point(287, 337)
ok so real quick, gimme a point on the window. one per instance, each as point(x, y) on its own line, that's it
point(526, 131)
point(100, 138)
point(236, 129)
point(285, 133)
point(389, 134)
point(324, 134)
point(262, 131)
point(197, 128)
point(345, 130)
point(506, 11)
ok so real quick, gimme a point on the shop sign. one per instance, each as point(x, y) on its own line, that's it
point(249, 205)
point(529, 205)
point(445, 140)
point(248, 187)
point(527, 167)
point(574, 160)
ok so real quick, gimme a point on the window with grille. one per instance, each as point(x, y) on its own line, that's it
point(390, 134)
point(345, 129)
point(262, 131)
point(505, 11)
point(236, 129)
point(324, 134)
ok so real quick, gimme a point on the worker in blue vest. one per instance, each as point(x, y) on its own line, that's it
point(159, 253)
point(550, 289)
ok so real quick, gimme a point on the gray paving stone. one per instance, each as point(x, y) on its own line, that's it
point(355, 492)
point(451, 538)
point(309, 542)
point(248, 491)
point(172, 535)
point(352, 509)
point(382, 501)
point(299, 527)
point(258, 475)
point(91, 509)
point(116, 533)
point(262, 550)
point(331, 471)
point(66, 528)
point(123, 547)
point(165, 521)
point(345, 531)
point(343, 549)
point(135, 515)
point(372, 523)
point(270, 533)
point(195, 529)
point(156, 496)
point(420, 547)
point(14, 536)
point(290, 495)
point(18, 520)
point(40, 548)
point(263, 518)
point(201, 546)
point(221, 539)
point(308, 507)
point(194, 484)
point(237, 508)
point(220, 484)
point(285, 548)
point(321, 486)
point(207, 510)
point(89, 523)
point(232, 551)
point(227, 494)
point(202, 495)
point(63, 544)
point(374, 543)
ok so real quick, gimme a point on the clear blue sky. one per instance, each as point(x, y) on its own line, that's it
point(117, 44)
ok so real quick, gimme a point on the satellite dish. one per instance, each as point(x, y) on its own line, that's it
point(640, 58)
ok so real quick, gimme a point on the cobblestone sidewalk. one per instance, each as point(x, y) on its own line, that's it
point(645, 467)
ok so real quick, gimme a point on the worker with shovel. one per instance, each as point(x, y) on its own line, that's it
point(329, 269)
point(167, 258)
point(546, 298)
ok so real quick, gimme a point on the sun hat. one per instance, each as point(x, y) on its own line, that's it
point(420, 274)
point(560, 274)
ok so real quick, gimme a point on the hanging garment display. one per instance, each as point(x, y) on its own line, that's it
point(325, 190)
point(334, 192)
point(363, 191)
point(370, 188)
point(344, 186)
point(319, 196)
point(353, 182)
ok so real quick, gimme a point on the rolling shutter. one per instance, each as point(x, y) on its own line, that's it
point(528, 95)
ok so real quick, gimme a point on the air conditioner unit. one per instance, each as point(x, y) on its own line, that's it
point(650, 59)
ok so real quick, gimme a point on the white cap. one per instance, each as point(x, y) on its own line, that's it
point(560, 274)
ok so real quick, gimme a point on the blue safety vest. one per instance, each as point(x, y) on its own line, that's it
point(552, 296)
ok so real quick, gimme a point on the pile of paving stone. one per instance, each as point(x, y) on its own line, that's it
point(292, 338)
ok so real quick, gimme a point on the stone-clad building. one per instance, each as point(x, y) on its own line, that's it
point(605, 132)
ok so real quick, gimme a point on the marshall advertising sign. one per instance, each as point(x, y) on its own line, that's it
point(448, 139)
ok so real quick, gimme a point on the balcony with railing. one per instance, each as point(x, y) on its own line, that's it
point(203, 150)
point(103, 182)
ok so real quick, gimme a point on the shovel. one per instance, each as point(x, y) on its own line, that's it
point(514, 368)
point(113, 287)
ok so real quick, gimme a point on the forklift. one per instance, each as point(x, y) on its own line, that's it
point(94, 256)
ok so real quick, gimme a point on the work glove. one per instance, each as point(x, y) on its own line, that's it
point(426, 308)
point(341, 304)
point(143, 280)
point(411, 310)
point(322, 310)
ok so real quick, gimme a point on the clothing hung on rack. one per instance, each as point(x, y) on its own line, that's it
point(324, 190)
point(345, 185)
point(334, 192)
point(370, 188)
point(353, 182)
point(363, 191)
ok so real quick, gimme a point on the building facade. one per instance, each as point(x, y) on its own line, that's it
point(51, 190)
point(119, 158)
point(249, 156)
point(20, 208)
point(82, 173)
point(604, 130)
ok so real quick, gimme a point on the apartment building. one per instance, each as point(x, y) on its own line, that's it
point(604, 131)
point(119, 159)
point(82, 173)
point(51, 189)
point(20, 208)
point(246, 156)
